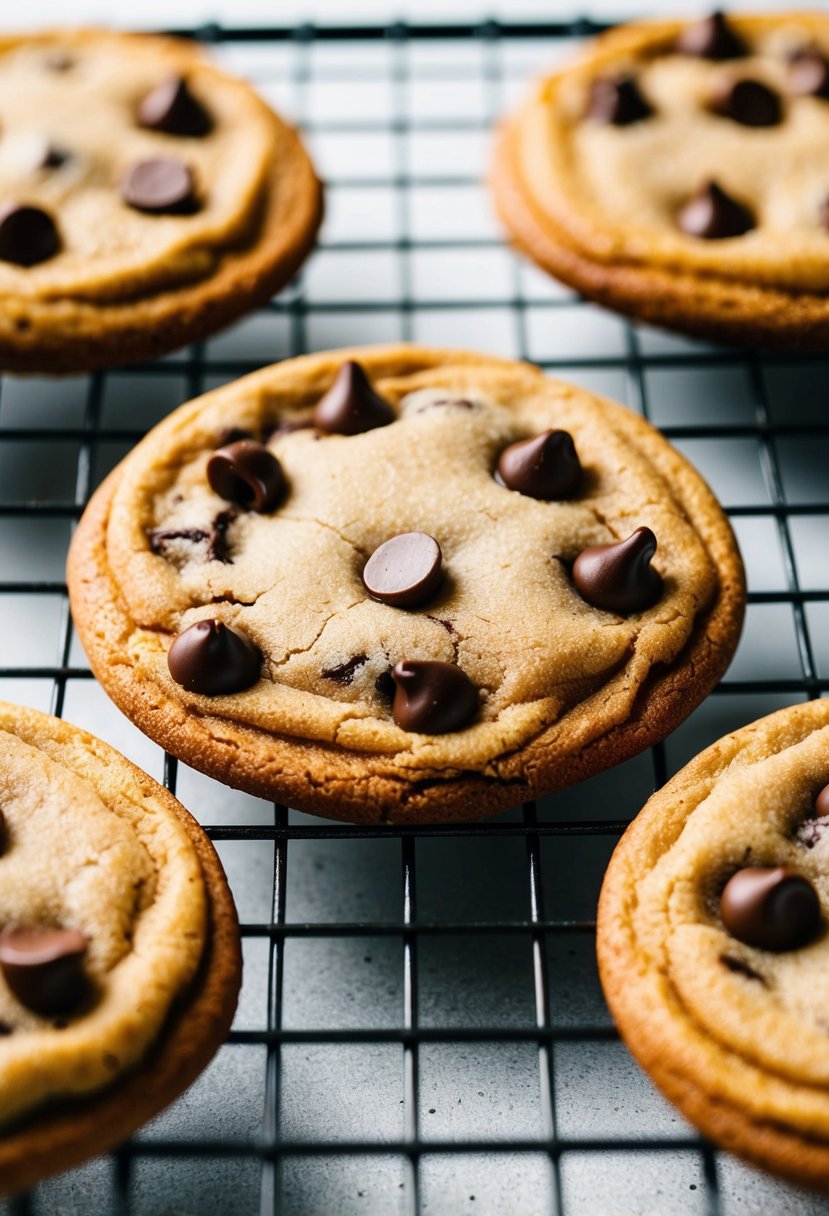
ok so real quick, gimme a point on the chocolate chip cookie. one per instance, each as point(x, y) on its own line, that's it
point(671, 174)
point(713, 944)
point(146, 199)
point(405, 584)
point(119, 948)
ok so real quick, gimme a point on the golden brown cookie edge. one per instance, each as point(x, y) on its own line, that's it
point(63, 1136)
point(765, 1144)
point(362, 787)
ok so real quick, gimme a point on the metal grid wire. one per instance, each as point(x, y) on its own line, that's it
point(421, 1028)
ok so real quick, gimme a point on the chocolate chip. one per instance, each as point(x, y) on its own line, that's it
point(617, 100)
point(809, 74)
point(344, 673)
point(160, 538)
point(52, 157)
point(740, 968)
point(27, 235)
point(711, 38)
point(432, 697)
point(246, 473)
point(546, 466)
point(619, 577)
point(405, 571)
point(218, 544)
point(351, 405)
point(160, 185)
point(44, 967)
point(772, 908)
point(5, 1029)
point(749, 102)
point(385, 684)
point(214, 659)
point(172, 108)
point(811, 831)
point(232, 434)
point(714, 215)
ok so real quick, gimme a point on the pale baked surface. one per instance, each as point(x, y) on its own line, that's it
point(129, 868)
point(597, 204)
point(744, 1055)
point(127, 283)
point(565, 688)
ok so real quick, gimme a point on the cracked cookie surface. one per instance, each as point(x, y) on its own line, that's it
point(595, 192)
point(735, 1034)
point(564, 688)
point(135, 270)
point(95, 852)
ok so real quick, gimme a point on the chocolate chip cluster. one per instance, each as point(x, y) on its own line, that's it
point(713, 214)
point(43, 966)
point(159, 185)
point(773, 907)
point(212, 658)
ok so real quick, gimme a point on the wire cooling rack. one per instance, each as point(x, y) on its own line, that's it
point(421, 1028)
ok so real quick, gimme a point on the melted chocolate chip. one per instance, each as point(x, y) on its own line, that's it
point(351, 405)
point(432, 697)
point(247, 474)
point(809, 74)
point(27, 235)
point(160, 538)
point(161, 185)
point(232, 434)
point(772, 908)
point(740, 968)
point(711, 38)
point(214, 659)
point(385, 684)
point(405, 571)
point(218, 544)
point(617, 100)
point(344, 673)
point(714, 215)
point(43, 967)
point(619, 577)
point(546, 466)
point(822, 801)
point(748, 102)
point(172, 108)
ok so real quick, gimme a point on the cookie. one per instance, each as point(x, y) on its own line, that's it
point(146, 199)
point(670, 174)
point(713, 944)
point(405, 584)
point(119, 948)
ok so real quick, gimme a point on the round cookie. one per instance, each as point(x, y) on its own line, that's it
point(412, 561)
point(712, 941)
point(670, 174)
point(119, 948)
point(146, 199)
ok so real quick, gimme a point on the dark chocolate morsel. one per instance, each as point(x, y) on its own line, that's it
point(158, 185)
point(772, 908)
point(44, 967)
point(385, 684)
point(351, 405)
point(246, 473)
point(714, 215)
point(232, 434)
point(343, 673)
point(617, 100)
point(619, 577)
point(432, 697)
point(809, 74)
point(405, 571)
point(748, 102)
point(214, 659)
point(27, 234)
point(172, 108)
point(711, 38)
point(740, 967)
point(546, 466)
